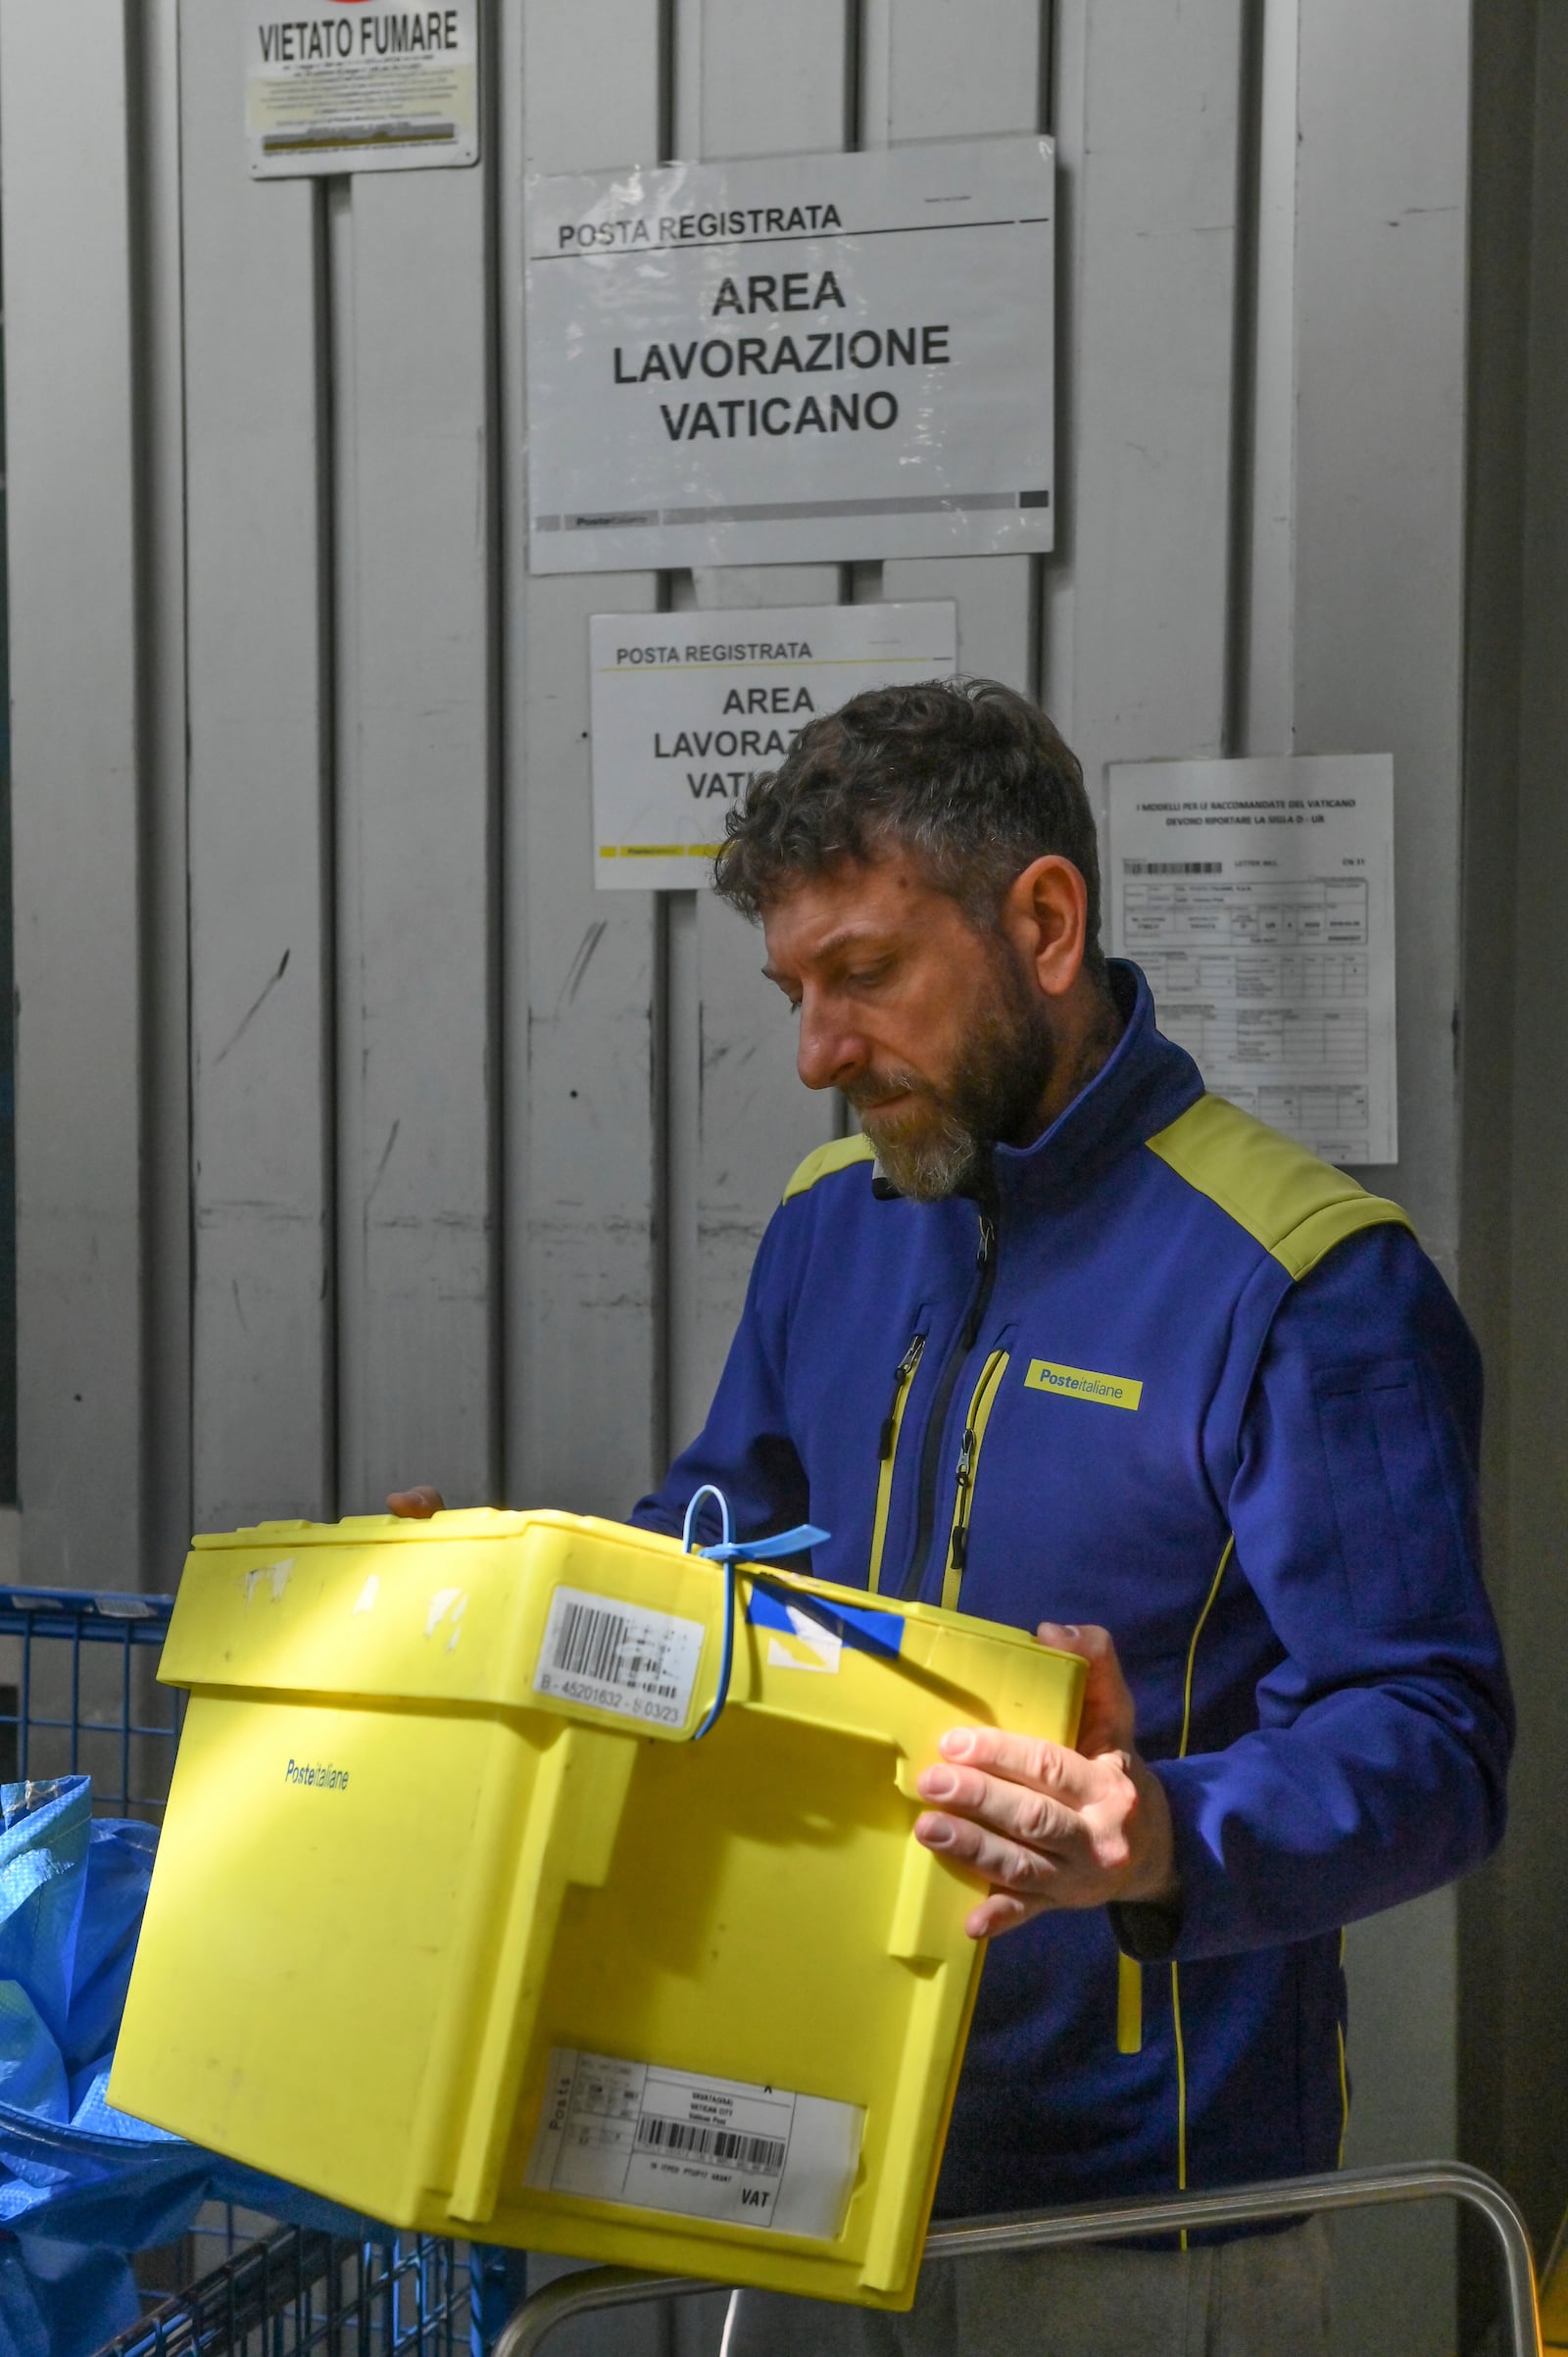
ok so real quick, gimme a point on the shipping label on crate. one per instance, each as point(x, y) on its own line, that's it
point(720, 2148)
point(618, 1657)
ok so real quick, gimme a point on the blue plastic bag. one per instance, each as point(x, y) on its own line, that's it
point(83, 2184)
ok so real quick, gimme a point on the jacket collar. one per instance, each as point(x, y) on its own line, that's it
point(1143, 1085)
point(1145, 1082)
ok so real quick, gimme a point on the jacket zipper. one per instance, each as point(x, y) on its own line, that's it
point(891, 1426)
point(931, 1452)
point(974, 1433)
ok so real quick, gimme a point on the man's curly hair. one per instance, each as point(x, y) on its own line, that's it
point(965, 774)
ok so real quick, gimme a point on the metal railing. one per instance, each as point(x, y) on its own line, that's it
point(1108, 2221)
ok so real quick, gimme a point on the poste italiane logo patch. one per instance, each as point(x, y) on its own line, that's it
point(1081, 1383)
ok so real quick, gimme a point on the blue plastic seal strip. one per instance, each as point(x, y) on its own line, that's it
point(763, 1550)
point(730, 1553)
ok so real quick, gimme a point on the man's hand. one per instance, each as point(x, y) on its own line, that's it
point(418, 1504)
point(1046, 1827)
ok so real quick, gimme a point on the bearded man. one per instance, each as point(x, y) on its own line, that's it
point(1060, 1340)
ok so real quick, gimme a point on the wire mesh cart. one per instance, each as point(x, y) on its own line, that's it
point(79, 1696)
point(298, 2291)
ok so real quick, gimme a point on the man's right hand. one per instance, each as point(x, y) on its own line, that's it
point(417, 1504)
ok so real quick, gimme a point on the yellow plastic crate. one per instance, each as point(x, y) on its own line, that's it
point(454, 1922)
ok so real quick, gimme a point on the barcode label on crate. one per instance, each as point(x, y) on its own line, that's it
point(620, 1657)
point(719, 2148)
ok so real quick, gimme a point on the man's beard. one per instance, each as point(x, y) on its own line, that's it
point(938, 1142)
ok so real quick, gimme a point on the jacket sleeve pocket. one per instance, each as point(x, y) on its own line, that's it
point(1395, 1496)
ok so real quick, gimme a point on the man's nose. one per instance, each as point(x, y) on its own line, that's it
point(829, 1052)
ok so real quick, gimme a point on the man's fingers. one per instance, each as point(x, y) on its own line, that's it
point(1027, 1760)
point(417, 1504)
point(1046, 1825)
point(1025, 1812)
point(1109, 1717)
point(1002, 1911)
point(1075, 1637)
point(1006, 1865)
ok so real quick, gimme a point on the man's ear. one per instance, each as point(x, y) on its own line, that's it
point(1044, 914)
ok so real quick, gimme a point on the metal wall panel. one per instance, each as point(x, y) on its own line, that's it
point(1376, 500)
point(1138, 618)
point(69, 260)
point(1380, 478)
point(260, 731)
point(414, 642)
point(166, 910)
point(751, 81)
point(584, 1359)
point(925, 77)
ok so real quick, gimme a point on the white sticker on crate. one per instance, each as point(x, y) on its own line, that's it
point(807, 1647)
point(620, 1657)
point(717, 2149)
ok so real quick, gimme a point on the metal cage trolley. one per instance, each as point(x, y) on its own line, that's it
point(298, 2291)
point(79, 1696)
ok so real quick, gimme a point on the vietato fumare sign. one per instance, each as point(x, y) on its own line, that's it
point(359, 85)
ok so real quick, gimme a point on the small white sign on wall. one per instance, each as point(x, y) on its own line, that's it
point(822, 356)
point(359, 85)
point(687, 707)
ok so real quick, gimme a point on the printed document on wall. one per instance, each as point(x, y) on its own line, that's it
point(1257, 896)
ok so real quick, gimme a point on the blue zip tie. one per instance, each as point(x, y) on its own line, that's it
point(729, 1553)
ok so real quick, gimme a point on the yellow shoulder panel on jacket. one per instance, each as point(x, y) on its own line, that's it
point(1295, 1206)
point(836, 1154)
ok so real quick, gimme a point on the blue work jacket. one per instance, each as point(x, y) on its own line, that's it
point(1186, 1381)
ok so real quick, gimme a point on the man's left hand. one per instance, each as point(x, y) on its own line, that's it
point(1046, 1827)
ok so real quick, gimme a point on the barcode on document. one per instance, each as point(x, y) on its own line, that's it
point(758, 2156)
point(1173, 868)
point(602, 1646)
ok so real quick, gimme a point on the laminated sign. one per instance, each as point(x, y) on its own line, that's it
point(686, 707)
point(832, 356)
point(359, 85)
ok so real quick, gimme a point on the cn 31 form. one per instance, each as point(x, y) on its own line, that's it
point(1257, 896)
